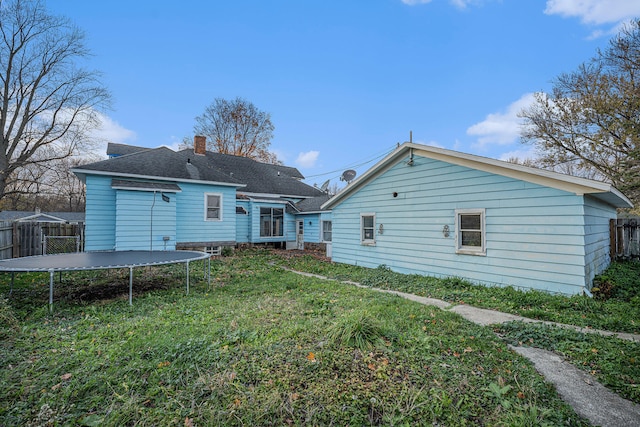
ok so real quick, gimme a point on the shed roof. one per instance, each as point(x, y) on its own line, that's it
point(42, 216)
point(572, 184)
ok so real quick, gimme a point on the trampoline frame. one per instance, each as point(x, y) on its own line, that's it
point(21, 265)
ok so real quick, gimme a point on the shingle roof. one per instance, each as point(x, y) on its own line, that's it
point(114, 149)
point(312, 204)
point(17, 215)
point(185, 165)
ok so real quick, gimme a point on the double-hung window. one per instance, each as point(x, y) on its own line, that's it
point(326, 231)
point(367, 228)
point(470, 231)
point(213, 207)
point(271, 222)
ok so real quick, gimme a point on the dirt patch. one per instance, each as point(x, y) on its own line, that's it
point(295, 253)
point(108, 288)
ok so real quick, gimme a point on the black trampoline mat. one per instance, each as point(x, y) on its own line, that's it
point(98, 260)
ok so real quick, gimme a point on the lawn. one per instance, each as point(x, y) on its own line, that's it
point(262, 346)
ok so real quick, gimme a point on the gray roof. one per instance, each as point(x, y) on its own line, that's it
point(114, 149)
point(312, 204)
point(185, 165)
point(41, 216)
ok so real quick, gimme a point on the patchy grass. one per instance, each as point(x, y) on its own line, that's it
point(263, 347)
point(619, 313)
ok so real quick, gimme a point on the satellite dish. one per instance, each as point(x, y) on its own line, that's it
point(325, 185)
point(348, 175)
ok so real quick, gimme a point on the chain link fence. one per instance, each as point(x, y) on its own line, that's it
point(60, 244)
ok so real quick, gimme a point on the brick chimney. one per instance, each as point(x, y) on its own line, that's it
point(200, 145)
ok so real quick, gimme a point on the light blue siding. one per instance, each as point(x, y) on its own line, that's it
point(243, 223)
point(597, 258)
point(311, 227)
point(190, 213)
point(100, 214)
point(535, 235)
point(141, 214)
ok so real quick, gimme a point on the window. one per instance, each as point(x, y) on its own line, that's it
point(326, 231)
point(213, 207)
point(367, 227)
point(271, 222)
point(470, 232)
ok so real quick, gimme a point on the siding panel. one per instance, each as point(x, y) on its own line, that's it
point(535, 236)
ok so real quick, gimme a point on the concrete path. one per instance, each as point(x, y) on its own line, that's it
point(586, 396)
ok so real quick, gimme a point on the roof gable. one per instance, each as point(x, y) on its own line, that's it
point(405, 152)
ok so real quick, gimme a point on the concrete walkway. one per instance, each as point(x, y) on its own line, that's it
point(586, 396)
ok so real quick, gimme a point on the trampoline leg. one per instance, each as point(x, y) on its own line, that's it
point(13, 276)
point(130, 285)
point(209, 273)
point(51, 291)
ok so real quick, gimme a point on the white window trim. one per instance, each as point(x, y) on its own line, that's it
point(471, 250)
point(363, 241)
point(206, 206)
point(322, 231)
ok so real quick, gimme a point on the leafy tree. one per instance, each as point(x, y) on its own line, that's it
point(48, 102)
point(590, 122)
point(237, 127)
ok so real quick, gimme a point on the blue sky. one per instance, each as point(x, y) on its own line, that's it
point(343, 80)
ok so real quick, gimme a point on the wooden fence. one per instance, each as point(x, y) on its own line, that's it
point(19, 239)
point(625, 238)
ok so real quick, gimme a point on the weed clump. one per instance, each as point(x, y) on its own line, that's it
point(358, 329)
point(618, 282)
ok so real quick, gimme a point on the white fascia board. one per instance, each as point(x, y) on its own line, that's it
point(568, 183)
point(155, 178)
point(571, 184)
point(41, 215)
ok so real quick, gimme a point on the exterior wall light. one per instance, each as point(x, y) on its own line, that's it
point(445, 231)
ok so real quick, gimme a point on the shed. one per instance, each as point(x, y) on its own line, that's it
point(443, 213)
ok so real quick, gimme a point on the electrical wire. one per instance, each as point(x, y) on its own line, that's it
point(354, 165)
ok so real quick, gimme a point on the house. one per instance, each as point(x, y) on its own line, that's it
point(160, 199)
point(438, 212)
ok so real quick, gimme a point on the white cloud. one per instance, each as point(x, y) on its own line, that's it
point(111, 131)
point(501, 128)
point(596, 12)
point(529, 153)
point(308, 159)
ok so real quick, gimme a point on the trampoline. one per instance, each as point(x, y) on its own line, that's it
point(100, 261)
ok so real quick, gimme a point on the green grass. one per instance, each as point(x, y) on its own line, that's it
point(613, 362)
point(262, 347)
point(618, 313)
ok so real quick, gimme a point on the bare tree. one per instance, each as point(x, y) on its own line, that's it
point(589, 124)
point(237, 127)
point(48, 103)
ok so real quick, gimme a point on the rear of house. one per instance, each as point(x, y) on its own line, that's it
point(158, 199)
point(436, 212)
